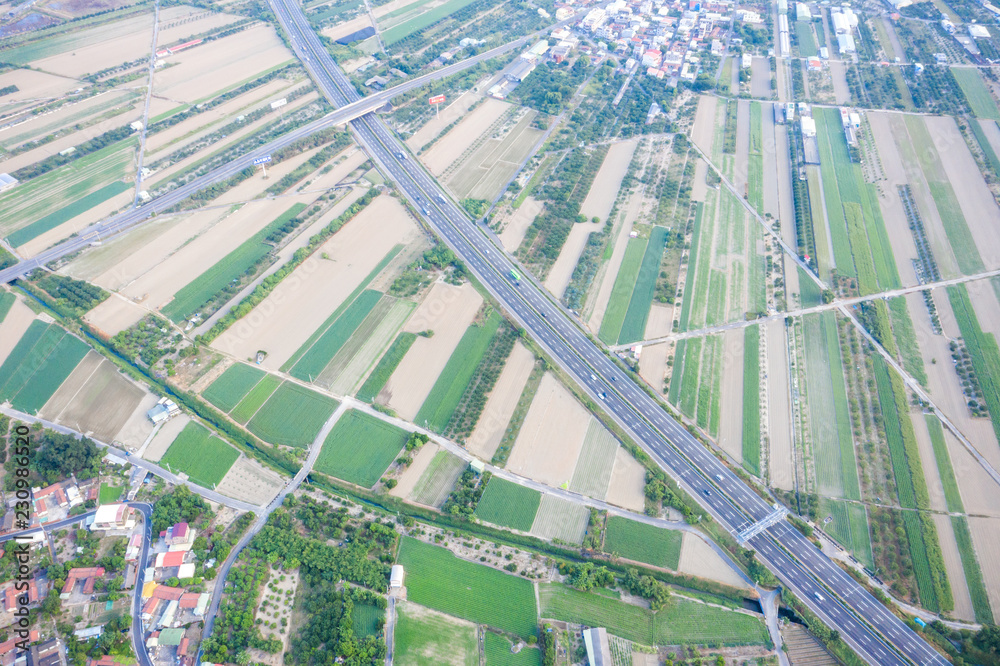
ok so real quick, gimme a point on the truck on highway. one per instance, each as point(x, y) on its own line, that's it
point(514, 275)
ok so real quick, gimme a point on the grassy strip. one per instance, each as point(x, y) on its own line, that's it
point(456, 375)
point(340, 309)
point(692, 260)
point(982, 348)
point(335, 336)
point(751, 400)
point(614, 316)
point(421, 21)
point(66, 213)
point(634, 325)
point(509, 505)
point(534, 181)
point(848, 465)
point(945, 470)
point(973, 573)
point(978, 95)
point(642, 543)
point(805, 39)
point(984, 144)
point(386, 366)
point(689, 382)
point(906, 339)
point(253, 401)
point(243, 260)
point(6, 302)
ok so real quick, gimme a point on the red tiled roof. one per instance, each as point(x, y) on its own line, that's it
point(188, 600)
point(173, 559)
point(10, 644)
point(168, 593)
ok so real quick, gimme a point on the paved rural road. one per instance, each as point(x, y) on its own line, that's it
point(140, 566)
point(878, 635)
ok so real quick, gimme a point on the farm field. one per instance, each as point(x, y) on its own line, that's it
point(498, 652)
point(96, 399)
point(502, 403)
point(436, 482)
point(292, 416)
point(364, 348)
point(682, 621)
point(450, 147)
point(421, 460)
point(451, 384)
point(850, 527)
point(509, 505)
point(306, 299)
point(642, 543)
point(201, 455)
point(560, 519)
point(485, 172)
point(424, 637)
point(386, 366)
point(551, 436)
point(448, 311)
point(249, 481)
point(980, 100)
point(601, 197)
point(42, 359)
point(232, 385)
point(614, 316)
point(422, 20)
point(634, 324)
point(437, 579)
point(114, 315)
point(360, 448)
point(596, 461)
point(698, 558)
point(313, 358)
point(253, 400)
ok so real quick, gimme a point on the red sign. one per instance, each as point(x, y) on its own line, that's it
point(437, 99)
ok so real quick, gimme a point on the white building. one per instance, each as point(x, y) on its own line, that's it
point(7, 181)
point(978, 31)
point(113, 517)
point(802, 12)
point(808, 126)
point(746, 60)
point(396, 575)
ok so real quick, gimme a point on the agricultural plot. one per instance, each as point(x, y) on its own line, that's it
point(596, 462)
point(437, 579)
point(980, 99)
point(367, 620)
point(292, 416)
point(386, 366)
point(232, 385)
point(614, 316)
point(634, 324)
point(196, 294)
point(498, 652)
point(201, 455)
point(495, 421)
point(363, 349)
point(360, 448)
point(314, 359)
point(424, 637)
point(447, 391)
point(751, 400)
point(560, 519)
point(428, 17)
point(438, 479)
point(487, 169)
point(509, 505)
point(849, 525)
point(642, 542)
point(43, 358)
point(253, 400)
point(6, 302)
point(109, 493)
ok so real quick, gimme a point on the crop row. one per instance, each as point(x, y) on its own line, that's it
point(973, 572)
point(751, 400)
point(634, 323)
point(312, 363)
point(508, 504)
point(621, 292)
point(227, 391)
point(983, 350)
point(360, 448)
point(386, 366)
point(642, 543)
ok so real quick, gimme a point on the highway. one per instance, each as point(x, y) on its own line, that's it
point(828, 590)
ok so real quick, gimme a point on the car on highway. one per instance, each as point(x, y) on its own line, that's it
point(819, 597)
point(401, 155)
point(707, 492)
point(718, 477)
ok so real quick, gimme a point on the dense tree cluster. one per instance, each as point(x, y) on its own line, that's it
point(75, 296)
point(145, 342)
point(328, 635)
point(465, 497)
point(180, 506)
point(551, 85)
point(58, 456)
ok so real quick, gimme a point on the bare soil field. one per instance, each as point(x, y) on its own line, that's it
point(703, 129)
point(157, 286)
point(102, 404)
point(486, 171)
point(78, 223)
point(138, 426)
point(70, 387)
point(841, 91)
point(17, 321)
point(114, 315)
point(359, 355)
point(653, 364)
point(977, 202)
point(249, 481)
point(164, 437)
point(408, 479)
point(731, 430)
point(552, 435)
point(284, 320)
point(992, 132)
point(448, 311)
point(33, 85)
point(780, 465)
point(700, 559)
point(210, 68)
point(986, 537)
point(628, 479)
point(660, 322)
point(448, 114)
point(953, 565)
point(346, 28)
point(604, 189)
point(596, 461)
point(65, 116)
point(501, 403)
point(560, 519)
point(517, 226)
point(980, 493)
point(984, 300)
point(353, 157)
point(760, 78)
point(562, 269)
point(699, 186)
point(451, 146)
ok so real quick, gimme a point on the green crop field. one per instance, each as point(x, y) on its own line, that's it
point(438, 479)
point(367, 620)
point(195, 295)
point(692, 262)
point(980, 100)
point(427, 638)
point(751, 400)
point(509, 505)
point(951, 494)
point(287, 365)
point(18, 354)
point(67, 213)
point(253, 400)
point(848, 462)
point(49, 374)
point(973, 572)
point(596, 461)
point(829, 136)
point(232, 385)
point(456, 375)
point(642, 543)
point(984, 144)
point(680, 622)
point(333, 338)
point(421, 21)
point(349, 366)
point(201, 455)
point(983, 349)
point(755, 171)
point(6, 302)
point(634, 325)
point(109, 493)
point(437, 579)
point(621, 293)
point(77, 38)
point(906, 339)
point(804, 36)
point(292, 416)
point(386, 366)
point(498, 652)
point(850, 527)
point(360, 448)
